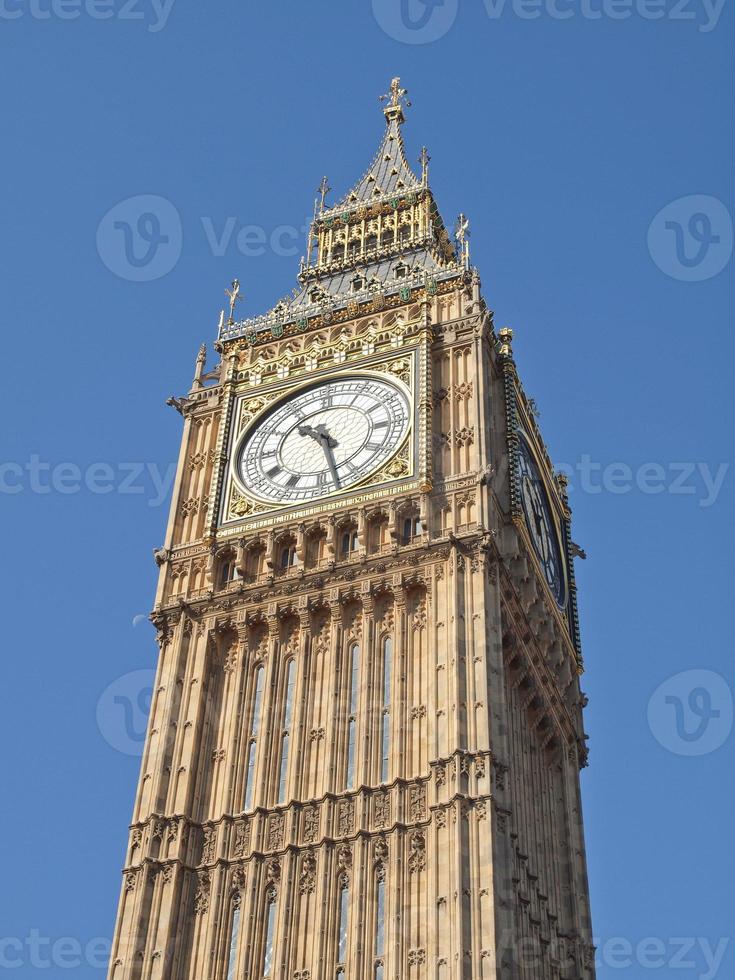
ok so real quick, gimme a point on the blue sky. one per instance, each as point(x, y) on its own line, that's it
point(563, 129)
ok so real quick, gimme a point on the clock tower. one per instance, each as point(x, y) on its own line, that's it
point(366, 730)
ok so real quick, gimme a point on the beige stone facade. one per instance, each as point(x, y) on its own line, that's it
point(366, 732)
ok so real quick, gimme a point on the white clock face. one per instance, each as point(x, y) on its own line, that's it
point(324, 439)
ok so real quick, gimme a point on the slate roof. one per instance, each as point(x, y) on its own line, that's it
point(389, 173)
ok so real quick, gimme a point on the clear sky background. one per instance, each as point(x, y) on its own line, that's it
point(562, 138)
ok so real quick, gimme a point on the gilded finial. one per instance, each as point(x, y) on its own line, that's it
point(234, 297)
point(424, 161)
point(505, 335)
point(396, 99)
point(322, 190)
point(462, 237)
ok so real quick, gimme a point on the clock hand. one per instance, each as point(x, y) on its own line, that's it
point(321, 435)
point(327, 444)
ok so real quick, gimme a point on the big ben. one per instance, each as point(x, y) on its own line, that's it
point(366, 731)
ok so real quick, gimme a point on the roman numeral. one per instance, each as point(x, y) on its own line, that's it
point(380, 425)
point(373, 446)
point(274, 472)
point(293, 480)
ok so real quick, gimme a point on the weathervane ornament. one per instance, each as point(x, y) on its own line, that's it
point(396, 99)
point(235, 297)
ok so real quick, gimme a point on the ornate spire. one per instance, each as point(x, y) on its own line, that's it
point(396, 99)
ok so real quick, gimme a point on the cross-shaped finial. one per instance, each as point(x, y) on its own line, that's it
point(462, 235)
point(424, 161)
point(234, 297)
point(322, 190)
point(396, 99)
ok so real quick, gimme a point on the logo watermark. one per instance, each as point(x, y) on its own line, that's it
point(691, 713)
point(39, 476)
point(141, 238)
point(415, 21)
point(42, 952)
point(691, 238)
point(122, 711)
point(153, 13)
point(425, 21)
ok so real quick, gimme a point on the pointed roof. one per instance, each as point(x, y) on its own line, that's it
point(387, 264)
point(389, 173)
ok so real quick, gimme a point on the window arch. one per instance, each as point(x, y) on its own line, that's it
point(410, 528)
point(234, 939)
point(257, 686)
point(348, 540)
point(290, 689)
point(386, 649)
point(353, 695)
point(226, 570)
point(287, 557)
point(270, 931)
point(343, 920)
point(379, 950)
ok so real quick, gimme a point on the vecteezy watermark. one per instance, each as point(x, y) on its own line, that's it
point(415, 21)
point(694, 953)
point(701, 481)
point(40, 477)
point(42, 952)
point(691, 238)
point(684, 479)
point(153, 13)
point(141, 238)
point(122, 711)
point(691, 713)
point(424, 21)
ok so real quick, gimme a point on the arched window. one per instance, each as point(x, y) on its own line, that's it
point(349, 541)
point(270, 931)
point(287, 554)
point(343, 924)
point(411, 528)
point(227, 572)
point(286, 734)
point(254, 560)
point(387, 651)
point(234, 940)
point(379, 928)
point(254, 730)
point(354, 694)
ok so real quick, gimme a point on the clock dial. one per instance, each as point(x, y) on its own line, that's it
point(540, 522)
point(324, 439)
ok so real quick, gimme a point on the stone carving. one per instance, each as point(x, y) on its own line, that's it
point(417, 806)
point(380, 849)
point(417, 857)
point(344, 858)
point(307, 877)
point(382, 810)
point(209, 845)
point(311, 825)
point(275, 832)
point(201, 899)
point(242, 839)
point(416, 957)
point(346, 817)
point(273, 872)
